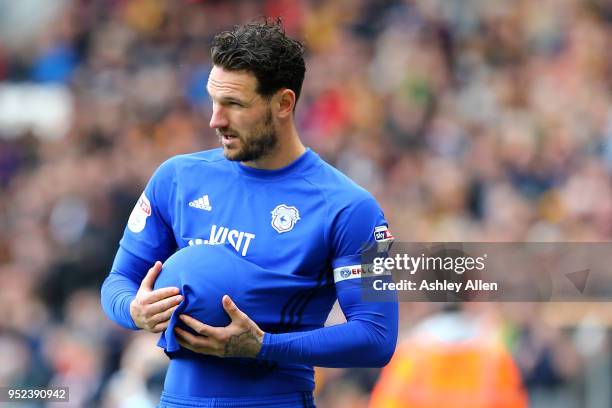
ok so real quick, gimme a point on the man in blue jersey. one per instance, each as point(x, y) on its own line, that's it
point(292, 229)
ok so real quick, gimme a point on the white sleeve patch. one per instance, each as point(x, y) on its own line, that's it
point(347, 272)
point(139, 215)
point(382, 234)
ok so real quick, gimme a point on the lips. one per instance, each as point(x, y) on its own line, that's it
point(226, 135)
point(227, 139)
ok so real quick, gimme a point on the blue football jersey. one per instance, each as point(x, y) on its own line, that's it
point(292, 235)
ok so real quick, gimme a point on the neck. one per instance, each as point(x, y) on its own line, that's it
point(288, 149)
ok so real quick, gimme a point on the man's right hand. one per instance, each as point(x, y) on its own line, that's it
point(151, 309)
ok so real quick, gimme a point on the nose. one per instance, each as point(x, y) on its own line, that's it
point(218, 120)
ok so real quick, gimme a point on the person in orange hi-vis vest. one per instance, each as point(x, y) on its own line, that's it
point(451, 360)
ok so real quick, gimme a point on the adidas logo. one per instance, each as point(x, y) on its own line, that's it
point(202, 203)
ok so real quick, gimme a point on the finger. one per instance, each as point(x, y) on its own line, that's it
point(160, 327)
point(195, 349)
point(160, 294)
point(162, 317)
point(192, 339)
point(231, 309)
point(164, 305)
point(152, 274)
point(186, 345)
point(199, 327)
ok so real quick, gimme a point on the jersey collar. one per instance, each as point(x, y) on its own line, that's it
point(301, 163)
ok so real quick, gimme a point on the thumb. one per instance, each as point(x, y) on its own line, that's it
point(231, 308)
point(151, 276)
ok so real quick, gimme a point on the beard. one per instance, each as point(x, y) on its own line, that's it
point(259, 143)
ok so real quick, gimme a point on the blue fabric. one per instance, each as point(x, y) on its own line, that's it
point(367, 339)
point(293, 400)
point(269, 239)
point(121, 285)
point(201, 274)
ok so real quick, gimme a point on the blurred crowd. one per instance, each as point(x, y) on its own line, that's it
point(469, 120)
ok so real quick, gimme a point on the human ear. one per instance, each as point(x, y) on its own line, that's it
point(285, 103)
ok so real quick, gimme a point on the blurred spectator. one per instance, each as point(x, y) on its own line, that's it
point(139, 380)
point(548, 361)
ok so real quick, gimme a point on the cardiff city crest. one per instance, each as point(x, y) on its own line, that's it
point(284, 218)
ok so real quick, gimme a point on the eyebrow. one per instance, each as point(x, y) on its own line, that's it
point(226, 98)
point(231, 98)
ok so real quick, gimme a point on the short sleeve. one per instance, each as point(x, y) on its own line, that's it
point(148, 233)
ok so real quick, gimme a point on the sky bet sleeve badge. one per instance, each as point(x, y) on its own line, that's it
point(284, 218)
point(383, 238)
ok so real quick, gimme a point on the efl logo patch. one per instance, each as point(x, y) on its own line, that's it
point(284, 218)
point(382, 234)
point(139, 215)
point(347, 272)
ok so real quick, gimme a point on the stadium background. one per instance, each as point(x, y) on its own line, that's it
point(469, 120)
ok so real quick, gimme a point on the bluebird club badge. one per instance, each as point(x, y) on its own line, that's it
point(284, 218)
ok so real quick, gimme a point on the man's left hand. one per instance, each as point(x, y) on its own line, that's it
point(241, 338)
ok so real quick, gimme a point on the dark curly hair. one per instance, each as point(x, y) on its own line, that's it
point(263, 49)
